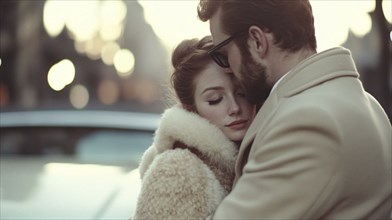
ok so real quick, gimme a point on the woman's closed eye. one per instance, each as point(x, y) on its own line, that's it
point(215, 101)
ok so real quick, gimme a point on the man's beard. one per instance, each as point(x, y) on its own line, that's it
point(254, 79)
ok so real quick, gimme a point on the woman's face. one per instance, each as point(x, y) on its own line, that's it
point(222, 103)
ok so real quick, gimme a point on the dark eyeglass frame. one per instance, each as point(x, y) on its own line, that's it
point(219, 57)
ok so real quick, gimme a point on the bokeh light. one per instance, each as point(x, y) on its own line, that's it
point(83, 19)
point(387, 9)
point(90, 23)
point(362, 26)
point(390, 35)
point(61, 74)
point(113, 14)
point(110, 33)
point(4, 94)
point(333, 20)
point(108, 92)
point(124, 62)
point(332, 30)
point(174, 20)
point(108, 51)
point(54, 17)
point(93, 48)
point(79, 96)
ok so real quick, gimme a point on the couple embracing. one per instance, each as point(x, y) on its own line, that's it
point(266, 127)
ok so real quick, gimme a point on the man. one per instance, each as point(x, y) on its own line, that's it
point(320, 146)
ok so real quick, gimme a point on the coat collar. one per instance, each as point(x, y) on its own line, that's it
point(178, 124)
point(317, 69)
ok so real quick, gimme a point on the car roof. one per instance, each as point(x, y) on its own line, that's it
point(80, 118)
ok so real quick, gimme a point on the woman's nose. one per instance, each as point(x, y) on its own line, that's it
point(234, 108)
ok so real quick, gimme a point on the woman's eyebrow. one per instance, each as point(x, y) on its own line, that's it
point(212, 88)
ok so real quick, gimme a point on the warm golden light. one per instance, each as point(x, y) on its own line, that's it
point(110, 33)
point(124, 62)
point(54, 17)
point(83, 19)
point(113, 12)
point(360, 22)
point(61, 74)
point(108, 51)
point(93, 48)
point(332, 20)
point(90, 23)
point(4, 95)
point(390, 35)
point(333, 30)
point(79, 96)
point(108, 92)
point(362, 26)
point(174, 20)
point(387, 9)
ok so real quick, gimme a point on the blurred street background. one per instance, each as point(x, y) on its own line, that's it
point(115, 54)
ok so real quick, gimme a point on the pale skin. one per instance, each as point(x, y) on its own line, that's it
point(222, 103)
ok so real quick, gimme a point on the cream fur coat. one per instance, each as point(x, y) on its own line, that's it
point(186, 182)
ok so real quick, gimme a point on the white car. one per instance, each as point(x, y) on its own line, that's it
point(72, 164)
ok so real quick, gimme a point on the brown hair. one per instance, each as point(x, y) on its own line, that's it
point(189, 59)
point(290, 21)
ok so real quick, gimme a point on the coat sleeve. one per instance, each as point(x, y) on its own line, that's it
point(178, 185)
point(293, 170)
point(147, 158)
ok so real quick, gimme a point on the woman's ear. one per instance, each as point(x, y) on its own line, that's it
point(259, 41)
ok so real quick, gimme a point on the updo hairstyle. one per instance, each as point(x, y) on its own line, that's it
point(189, 59)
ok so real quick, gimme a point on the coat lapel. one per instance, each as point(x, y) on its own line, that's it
point(315, 70)
point(258, 122)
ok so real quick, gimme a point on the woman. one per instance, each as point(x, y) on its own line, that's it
point(189, 168)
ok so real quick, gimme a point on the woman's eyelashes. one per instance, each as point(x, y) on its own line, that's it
point(215, 101)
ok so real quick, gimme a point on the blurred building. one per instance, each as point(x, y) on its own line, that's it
point(43, 69)
point(372, 54)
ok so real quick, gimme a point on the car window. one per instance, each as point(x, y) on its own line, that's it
point(110, 145)
point(88, 145)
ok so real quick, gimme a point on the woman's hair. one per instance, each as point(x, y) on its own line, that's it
point(291, 22)
point(189, 59)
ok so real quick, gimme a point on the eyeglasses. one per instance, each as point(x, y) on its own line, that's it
point(220, 58)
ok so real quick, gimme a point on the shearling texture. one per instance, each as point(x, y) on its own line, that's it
point(183, 183)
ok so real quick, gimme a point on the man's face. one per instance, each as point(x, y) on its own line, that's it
point(251, 74)
point(253, 78)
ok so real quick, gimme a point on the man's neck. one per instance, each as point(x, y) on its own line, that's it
point(283, 62)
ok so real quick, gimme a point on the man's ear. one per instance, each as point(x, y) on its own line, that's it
point(258, 40)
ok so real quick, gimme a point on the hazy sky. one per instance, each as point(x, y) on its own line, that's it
point(175, 20)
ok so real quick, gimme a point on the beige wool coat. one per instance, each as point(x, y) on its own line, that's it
point(187, 180)
point(319, 148)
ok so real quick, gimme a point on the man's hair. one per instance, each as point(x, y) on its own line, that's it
point(290, 21)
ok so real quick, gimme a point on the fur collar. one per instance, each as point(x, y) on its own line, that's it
point(193, 130)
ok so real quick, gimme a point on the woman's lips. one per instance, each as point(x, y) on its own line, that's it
point(237, 125)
